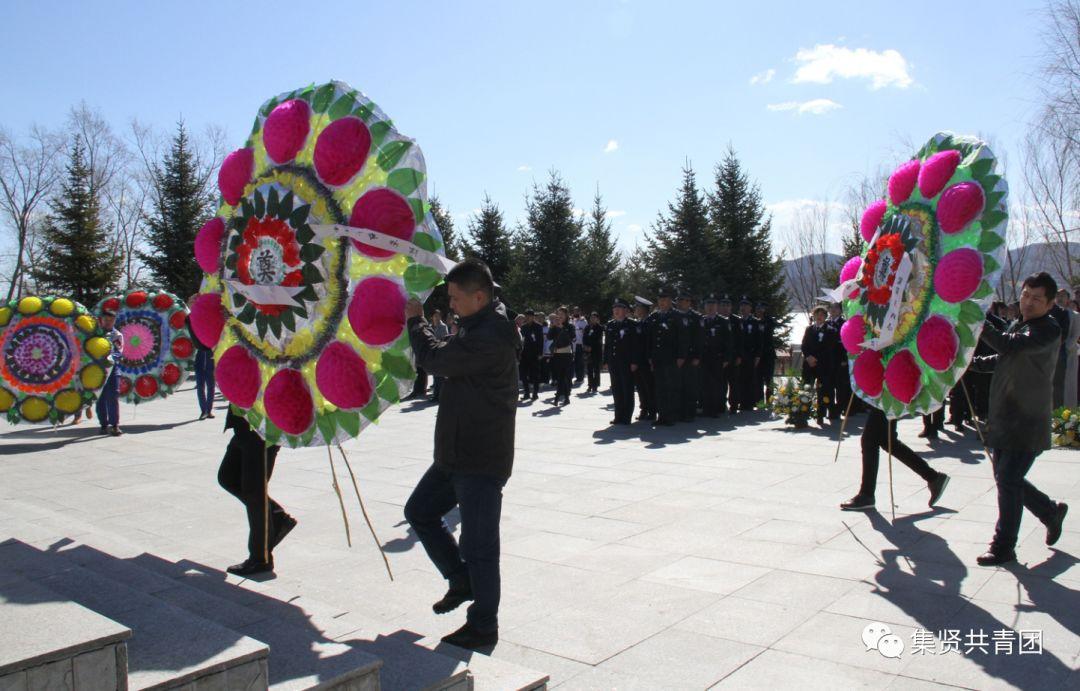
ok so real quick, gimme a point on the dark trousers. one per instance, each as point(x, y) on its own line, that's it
point(842, 387)
point(545, 370)
point(689, 390)
point(747, 375)
point(108, 402)
point(1014, 495)
point(728, 395)
point(645, 383)
point(875, 439)
point(595, 359)
point(436, 387)
point(420, 385)
point(712, 376)
point(579, 363)
point(562, 370)
point(529, 371)
point(823, 383)
point(622, 388)
point(244, 474)
point(204, 380)
point(764, 385)
point(668, 391)
point(475, 562)
point(935, 421)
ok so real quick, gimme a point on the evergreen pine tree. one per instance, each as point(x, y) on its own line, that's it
point(446, 227)
point(551, 246)
point(746, 257)
point(489, 241)
point(682, 246)
point(180, 207)
point(78, 261)
point(601, 260)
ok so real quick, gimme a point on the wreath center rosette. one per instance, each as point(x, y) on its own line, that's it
point(916, 298)
point(53, 357)
point(322, 234)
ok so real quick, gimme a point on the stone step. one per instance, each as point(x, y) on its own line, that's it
point(48, 642)
point(169, 647)
point(307, 649)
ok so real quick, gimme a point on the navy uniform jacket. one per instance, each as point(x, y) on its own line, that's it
point(594, 339)
point(532, 341)
point(621, 343)
point(719, 341)
point(766, 329)
point(694, 323)
point(750, 339)
point(820, 342)
point(666, 337)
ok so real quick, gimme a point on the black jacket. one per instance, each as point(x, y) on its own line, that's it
point(818, 341)
point(593, 338)
point(562, 336)
point(474, 430)
point(1022, 389)
point(532, 341)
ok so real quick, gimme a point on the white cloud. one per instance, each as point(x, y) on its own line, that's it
point(524, 168)
point(612, 145)
point(614, 214)
point(579, 212)
point(763, 77)
point(823, 62)
point(817, 106)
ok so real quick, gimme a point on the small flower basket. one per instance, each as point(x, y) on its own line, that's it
point(1066, 427)
point(794, 401)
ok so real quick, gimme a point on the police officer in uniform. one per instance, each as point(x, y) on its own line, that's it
point(667, 349)
point(841, 379)
point(728, 323)
point(750, 352)
point(817, 350)
point(690, 375)
point(644, 379)
point(620, 351)
point(714, 358)
point(766, 329)
point(532, 348)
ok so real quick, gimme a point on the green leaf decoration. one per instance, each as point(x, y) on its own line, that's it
point(260, 205)
point(392, 153)
point(288, 320)
point(990, 264)
point(299, 216)
point(270, 105)
point(260, 324)
point(923, 399)
point(982, 167)
point(398, 366)
point(304, 234)
point(989, 183)
point(306, 437)
point(254, 419)
point(275, 326)
point(378, 132)
point(364, 112)
point(387, 388)
point(350, 422)
point(342, 107)
point(983, 291)
point(292, 441)
point(425, 241)
point(239, 300)
point(231, 261)
point(988, 241)
point(272, 202)
point(371, 410)
point(321, 101)
point(932, 388)
point(970, 312)
point(306, 93)
point(417, 207)
point(311, 251)
point(419, 278)
point(246, 209)
point(311, 275)
point(247, 315)
point(271, 434)
point(285, 208)
point(992, 218)
point(964, 333)
point(993, 199)
point(405, 180)
point(327, 426)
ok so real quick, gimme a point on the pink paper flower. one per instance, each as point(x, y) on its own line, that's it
point(342, 377)
point(341, 149)
point(937, 343)
point(288, 402)
point(208, 245)
point(377, 311)
point(235, 173)
point(869, 373)
point(936, 172)
point(871, 219)
point(207, 318)
point(902, 377)
point(958, 275)
point(385, 211)
point(902, 182)
point(853, 333)
point(237, 375)
point(850, 269)
point(960, 205)
point(286, 129)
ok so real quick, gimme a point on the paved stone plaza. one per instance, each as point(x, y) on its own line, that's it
point(693, 557)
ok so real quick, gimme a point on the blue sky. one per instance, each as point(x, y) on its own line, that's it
point(611, 92)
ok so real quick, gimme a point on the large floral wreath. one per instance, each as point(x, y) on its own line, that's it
point(53, 357)
point(308, 324)
point(916, 298)
point(158, 351)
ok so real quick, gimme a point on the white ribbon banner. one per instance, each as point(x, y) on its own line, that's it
point(388, 243)
point(267, 294)
point(892, 317)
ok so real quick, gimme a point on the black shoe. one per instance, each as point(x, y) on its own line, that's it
point(992, 558)
point(202, 416)
point(924, 434)
point(1053, 528)
point(535, 396)
point(104, 430)
point(470, 638)
point(250, 567)
point(285, 527)
point(115, 431)
point(937, 488)
point(859, 502)
point(452, 600)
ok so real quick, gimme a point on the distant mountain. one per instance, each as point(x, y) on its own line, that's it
point(1026, 260)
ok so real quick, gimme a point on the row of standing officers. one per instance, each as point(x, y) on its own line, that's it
point(680, 360)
